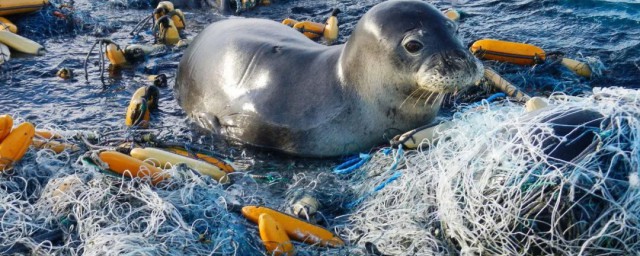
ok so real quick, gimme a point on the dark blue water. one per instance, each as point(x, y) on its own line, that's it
point(604, 31)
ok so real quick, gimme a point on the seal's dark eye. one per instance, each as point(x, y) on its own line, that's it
point(413, 46)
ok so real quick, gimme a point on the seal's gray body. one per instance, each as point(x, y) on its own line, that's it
point(267, 85)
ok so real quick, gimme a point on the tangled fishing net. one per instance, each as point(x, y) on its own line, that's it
point(62, 17)
point(66, 204)
point(489, 187)
point(79, 210)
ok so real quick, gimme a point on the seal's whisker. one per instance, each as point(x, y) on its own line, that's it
point(359, 76)
point(419, 98)
point(434, 103)
point(438, 97)
point(407, 98)
point(429, 98)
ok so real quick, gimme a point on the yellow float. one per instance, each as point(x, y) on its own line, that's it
point(9, 7)
point(20, 43)
point(47, 134)
point(55, 146)
point(166, 8)
point(577, 67)
point(314, 30)
point(150, 94)
point(512, 52)
point(166, 32)
point(6, 123)
point(452, 14)
point(225, 167)
point(16, 144)
point(131, 167)
point(274, 237)
point(296, 228)
point(162, 158)
point(115, 55)
point(137, 113)
point(523, 54)
point(7, 25)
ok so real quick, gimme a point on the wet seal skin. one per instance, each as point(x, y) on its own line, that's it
point(267, 85)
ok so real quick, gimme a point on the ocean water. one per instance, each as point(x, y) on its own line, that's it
point(604, 33)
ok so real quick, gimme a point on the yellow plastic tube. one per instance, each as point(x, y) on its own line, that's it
point(225, 167)
point(161, 158)
point(126, 165)
point(7, 25)
point(46, 134)
point(14, 146)
point(9, 7)
point(55, 146)
point(6, 123)
point(166, 5)
point(274, 237)
point(289, 22)
point(296, 228)
point(20, 43)
point(310, 29)
point(511, 52)
point(163, 8)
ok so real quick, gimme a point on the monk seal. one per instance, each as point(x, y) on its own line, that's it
point(267, 85)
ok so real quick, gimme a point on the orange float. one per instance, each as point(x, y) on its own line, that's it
point(296, 228)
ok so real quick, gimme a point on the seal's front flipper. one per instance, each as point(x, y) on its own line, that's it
point(208, 121)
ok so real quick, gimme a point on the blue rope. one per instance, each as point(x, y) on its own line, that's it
point(351, 165)
point(396, 160)
point(395, 176)
point(489, 99)
point(496, 96)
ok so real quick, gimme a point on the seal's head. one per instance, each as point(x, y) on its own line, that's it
point(411, 46)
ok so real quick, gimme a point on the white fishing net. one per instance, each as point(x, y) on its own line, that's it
point(489, 186)
point(499, 181)
point(57, 207)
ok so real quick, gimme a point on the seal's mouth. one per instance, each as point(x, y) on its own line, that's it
point(449, 72)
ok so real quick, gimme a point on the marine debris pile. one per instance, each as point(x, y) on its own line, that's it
point(69, 203)
point(493, 184)
point(497, 179)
